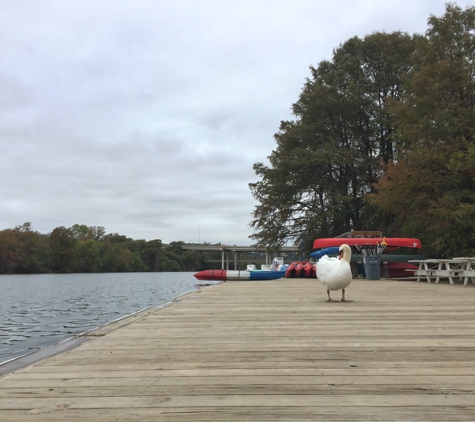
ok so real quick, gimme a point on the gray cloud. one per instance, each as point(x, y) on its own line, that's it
point(146, 116)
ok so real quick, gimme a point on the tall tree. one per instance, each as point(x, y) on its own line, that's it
point(79, 231)
point(328, 157)
point(33, 256)
point(10, 251)
point(151, 255)
point(117, 258)
point(430, 188)
point(89, 256)
point(62, 250)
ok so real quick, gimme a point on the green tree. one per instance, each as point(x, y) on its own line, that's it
point(117, 258)
point(82, 232)
point(88, 249)
point(96, 233)
point(89, 256)
point(33, 256)
point(62, 245)
point(327, 159)
point(10, 250)
point(151, 255)
point(191, 261)
point(430, 189)
point(115, 238)
point(79, 231)
point(137, 263)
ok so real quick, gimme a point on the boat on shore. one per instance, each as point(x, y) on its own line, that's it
point(267, 272)
point(239, 275)
point(391, 243)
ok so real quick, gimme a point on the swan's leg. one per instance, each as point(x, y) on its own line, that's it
point(343, 296)
point(329, 298)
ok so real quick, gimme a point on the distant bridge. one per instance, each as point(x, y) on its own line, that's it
point(236, 251)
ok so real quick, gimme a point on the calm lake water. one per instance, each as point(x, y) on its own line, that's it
point(37, 311)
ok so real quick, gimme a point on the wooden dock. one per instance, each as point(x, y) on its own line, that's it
point(267, 351)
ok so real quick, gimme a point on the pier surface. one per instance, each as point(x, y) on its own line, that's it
point(267, 351)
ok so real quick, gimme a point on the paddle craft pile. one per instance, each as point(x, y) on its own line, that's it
point(305, 269)
point(394, 265)
point(302, 269)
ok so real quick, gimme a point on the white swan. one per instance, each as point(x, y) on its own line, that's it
point(335, 273)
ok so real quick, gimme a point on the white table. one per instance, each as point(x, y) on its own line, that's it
point(446, 268)
point(426, 268)
point(449, 268)
point(468, 271)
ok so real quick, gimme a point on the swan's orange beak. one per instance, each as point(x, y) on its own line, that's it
point(340, 255)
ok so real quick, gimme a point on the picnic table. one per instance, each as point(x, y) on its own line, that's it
point(446, 268)
point(426, 268)
point(468, 270)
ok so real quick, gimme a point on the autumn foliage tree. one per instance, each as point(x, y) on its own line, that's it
point(430, 187)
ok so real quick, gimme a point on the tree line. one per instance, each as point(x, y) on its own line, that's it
point(382, 139)
point(83, 249)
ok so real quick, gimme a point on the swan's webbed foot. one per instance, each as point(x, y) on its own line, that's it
point(329, 298)
point(343, 297)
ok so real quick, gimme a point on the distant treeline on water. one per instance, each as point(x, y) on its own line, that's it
point(83, 249)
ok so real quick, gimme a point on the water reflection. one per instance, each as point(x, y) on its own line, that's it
point(37, 311)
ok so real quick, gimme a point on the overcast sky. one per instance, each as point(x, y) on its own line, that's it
point(146, 116)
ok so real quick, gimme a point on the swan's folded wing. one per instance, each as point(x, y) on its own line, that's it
point(325, 267)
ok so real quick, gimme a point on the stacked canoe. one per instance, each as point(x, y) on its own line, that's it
point(301, 269)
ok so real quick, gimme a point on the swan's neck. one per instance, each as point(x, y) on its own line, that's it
point(346, 255)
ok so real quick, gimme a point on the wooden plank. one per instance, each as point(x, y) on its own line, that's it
point(306, 356)
point(242, 389)
point(241, 400)
point(132, 380)
point(303, 365)
point(66, 374)
point(302, 413)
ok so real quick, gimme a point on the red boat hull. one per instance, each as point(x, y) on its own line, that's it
point(211, 275)
point(398, 269)
point(392, 242)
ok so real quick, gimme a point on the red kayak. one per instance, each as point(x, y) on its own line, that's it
point(298, 269)
point(301, 270)
point(291, 270)
point(307, 270)
point(392, 242)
